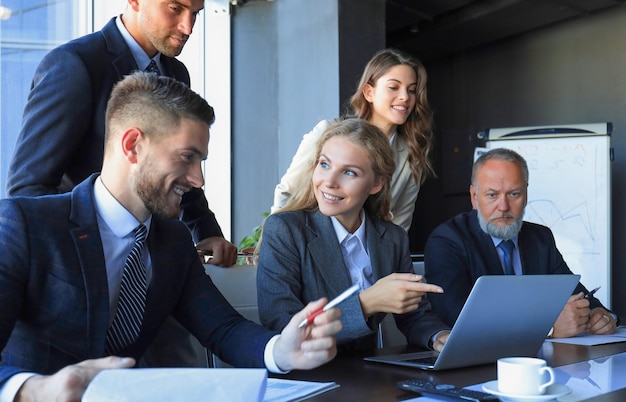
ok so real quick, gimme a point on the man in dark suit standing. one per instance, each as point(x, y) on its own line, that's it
point(62, 136)
point(61, 140)
point(472, 244)
point(63, 276)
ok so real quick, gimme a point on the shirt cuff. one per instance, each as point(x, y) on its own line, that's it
point(433, 338)
point(13, 384)
point(268, 356)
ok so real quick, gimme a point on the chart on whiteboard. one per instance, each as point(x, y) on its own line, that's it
point(569, 192)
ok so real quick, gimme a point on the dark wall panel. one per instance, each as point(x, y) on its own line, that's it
point(569, 73)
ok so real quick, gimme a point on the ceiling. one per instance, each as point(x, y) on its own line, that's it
point(432, 29)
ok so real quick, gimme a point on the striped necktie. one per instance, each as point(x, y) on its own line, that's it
point(132, 299)
point(507, 247)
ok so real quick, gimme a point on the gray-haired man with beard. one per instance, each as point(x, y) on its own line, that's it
point(493, 239)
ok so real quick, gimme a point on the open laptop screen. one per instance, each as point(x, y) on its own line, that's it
point(504, 315)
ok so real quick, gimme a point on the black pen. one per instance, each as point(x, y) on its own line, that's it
point(588, 295)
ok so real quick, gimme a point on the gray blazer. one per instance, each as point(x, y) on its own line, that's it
point(300, 260)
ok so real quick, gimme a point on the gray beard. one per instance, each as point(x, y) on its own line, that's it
point(508, 232)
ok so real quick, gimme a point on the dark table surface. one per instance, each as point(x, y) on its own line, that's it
point(365, 381)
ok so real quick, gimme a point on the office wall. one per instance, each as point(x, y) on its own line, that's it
point(289, 61)
point(569, 73)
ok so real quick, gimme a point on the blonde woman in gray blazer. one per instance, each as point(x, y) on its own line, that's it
point(392, 96)
point(334, 232)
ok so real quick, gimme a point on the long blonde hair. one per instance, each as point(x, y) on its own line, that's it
point(417, 130)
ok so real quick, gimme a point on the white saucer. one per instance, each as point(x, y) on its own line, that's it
point(552, 392)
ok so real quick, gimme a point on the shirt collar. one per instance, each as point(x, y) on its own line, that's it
point(140, 56)
point(342, 232)
point(497, 240)
point(393, 137)
point(118, 219)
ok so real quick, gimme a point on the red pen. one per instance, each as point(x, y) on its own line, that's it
point(343, 296)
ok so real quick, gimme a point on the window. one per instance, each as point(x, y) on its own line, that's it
point(31, 28)
point(28, 30)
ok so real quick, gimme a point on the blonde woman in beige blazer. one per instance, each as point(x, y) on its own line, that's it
point(392, 96)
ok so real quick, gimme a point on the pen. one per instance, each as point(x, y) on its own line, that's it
point(592, 382)
point(343, 296)
point(588, 295)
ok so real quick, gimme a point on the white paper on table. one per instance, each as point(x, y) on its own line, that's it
point(281, 390)
point(177, 384)
point(591, 340)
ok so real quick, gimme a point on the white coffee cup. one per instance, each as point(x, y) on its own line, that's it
point(523, 376)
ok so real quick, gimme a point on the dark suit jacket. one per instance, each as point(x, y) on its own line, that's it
point(458, 252)
point(300, 260)
point(54, 295)
point(62, 137)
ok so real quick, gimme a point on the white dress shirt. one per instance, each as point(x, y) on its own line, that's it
point(355, 252)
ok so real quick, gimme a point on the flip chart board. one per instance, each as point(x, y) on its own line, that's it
point(569, 191)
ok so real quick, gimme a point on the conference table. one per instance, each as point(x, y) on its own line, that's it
point(365, 381)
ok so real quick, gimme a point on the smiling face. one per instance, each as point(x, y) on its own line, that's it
point(342, 181)
point(165, 25)
point(499, 195)
point(392, 97)
point(170, 166)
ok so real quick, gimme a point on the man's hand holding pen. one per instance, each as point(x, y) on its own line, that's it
point(311, 345)
point(600, 320)
point(576, 317)
point(334, 302)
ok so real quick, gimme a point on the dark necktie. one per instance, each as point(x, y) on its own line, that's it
point(132, 298)
point(507, 247)
point(153, 68)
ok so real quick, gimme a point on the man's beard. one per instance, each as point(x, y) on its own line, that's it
point(502, 232)
point(154, 194)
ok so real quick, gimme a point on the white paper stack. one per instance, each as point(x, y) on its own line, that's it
point(185, 384)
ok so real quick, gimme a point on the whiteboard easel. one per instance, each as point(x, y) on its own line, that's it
point(569, 191)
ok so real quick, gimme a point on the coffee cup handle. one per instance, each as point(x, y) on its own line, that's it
point(545, 385)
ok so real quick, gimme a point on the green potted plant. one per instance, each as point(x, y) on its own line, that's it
point(248, 243)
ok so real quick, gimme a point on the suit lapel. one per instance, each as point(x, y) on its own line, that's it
point(400, 157)
point(527, 252)
point(160, 246)
point(326, 252)
point(88, 246)
point(376, 244)
point(174, 69)
point(401, 154)
point(124, 62)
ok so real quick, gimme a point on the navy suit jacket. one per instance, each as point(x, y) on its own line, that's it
point(61, 141)
point(54, 297)
point(458, 252)
point(300, 260)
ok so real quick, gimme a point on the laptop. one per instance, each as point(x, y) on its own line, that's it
point(504, 315)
